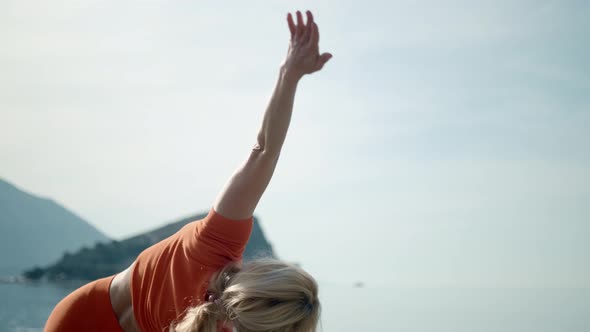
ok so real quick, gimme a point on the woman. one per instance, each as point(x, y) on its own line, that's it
point(192, 281)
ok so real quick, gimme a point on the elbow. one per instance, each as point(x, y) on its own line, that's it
point(265, 152)
point(260, 145)
point(264, 149)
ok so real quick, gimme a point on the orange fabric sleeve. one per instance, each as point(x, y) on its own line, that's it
point(218, 240)
point(173, 274)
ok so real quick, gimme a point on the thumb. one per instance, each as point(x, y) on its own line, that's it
point(323, 59)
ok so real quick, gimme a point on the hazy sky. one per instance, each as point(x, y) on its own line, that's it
point(446, 142)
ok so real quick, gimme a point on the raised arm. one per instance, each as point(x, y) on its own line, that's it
point(241, 194)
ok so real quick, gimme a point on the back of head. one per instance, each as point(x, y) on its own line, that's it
point(262, 295)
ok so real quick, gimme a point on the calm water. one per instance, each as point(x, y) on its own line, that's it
point(347, 309)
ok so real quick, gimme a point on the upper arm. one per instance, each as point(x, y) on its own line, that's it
point(242, 192)
point(216, 240)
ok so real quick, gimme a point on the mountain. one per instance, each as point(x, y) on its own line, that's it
point(36, 230)
point(106, 259)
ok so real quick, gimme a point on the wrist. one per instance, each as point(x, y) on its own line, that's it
point(289, 75)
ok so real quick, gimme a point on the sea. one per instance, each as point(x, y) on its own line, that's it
point(348, 308)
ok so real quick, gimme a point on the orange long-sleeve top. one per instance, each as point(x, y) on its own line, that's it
point(174, 274)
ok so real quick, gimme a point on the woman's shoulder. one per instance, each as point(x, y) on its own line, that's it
point(233, 230)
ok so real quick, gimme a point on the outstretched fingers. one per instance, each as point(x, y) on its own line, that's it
point(291, 24)
point(308, 28)
point(314, 38)
point(306, 33)
point(300, 25)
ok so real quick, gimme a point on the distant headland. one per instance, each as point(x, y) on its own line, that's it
point(49, 242)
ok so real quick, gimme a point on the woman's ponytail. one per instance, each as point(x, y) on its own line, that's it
point(262, 295)
point(204, 317)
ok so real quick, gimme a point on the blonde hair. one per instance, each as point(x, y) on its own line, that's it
point(262, 295)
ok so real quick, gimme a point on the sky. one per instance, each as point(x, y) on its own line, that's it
point(445, 144)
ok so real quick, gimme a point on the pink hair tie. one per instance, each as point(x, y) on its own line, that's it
point(213, 298)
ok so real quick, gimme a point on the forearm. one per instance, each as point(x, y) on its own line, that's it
point(245, 187)
point(277, 117)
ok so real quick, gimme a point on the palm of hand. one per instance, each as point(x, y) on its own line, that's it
point(303, 56)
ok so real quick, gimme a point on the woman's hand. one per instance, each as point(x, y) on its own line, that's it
point(303, 56)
